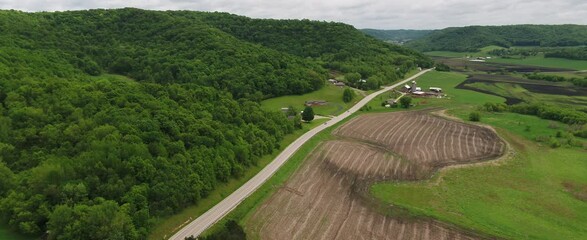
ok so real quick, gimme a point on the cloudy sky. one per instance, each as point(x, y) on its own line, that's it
point(382, 14)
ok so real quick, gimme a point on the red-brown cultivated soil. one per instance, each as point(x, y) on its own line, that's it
point(426, 139)
point(326, 197)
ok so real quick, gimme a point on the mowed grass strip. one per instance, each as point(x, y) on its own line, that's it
point(522, 198)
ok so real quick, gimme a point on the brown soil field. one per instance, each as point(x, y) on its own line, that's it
point(328, 196)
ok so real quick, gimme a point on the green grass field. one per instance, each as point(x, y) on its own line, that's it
point(329, 93)
point(165, 226)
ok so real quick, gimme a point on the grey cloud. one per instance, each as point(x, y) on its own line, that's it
point(390, 14)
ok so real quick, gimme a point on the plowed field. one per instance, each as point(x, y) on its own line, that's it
point(327, 198)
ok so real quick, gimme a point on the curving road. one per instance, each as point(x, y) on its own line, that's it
point(216, 213)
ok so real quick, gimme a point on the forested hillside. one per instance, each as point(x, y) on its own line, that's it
point(110, 118)
point(396, 36)
point(337, 46)
point(164, 48)
point(472, 38)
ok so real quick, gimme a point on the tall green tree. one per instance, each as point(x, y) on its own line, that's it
point(347, 95)
point(353, 78)
point(405, 101)
point(308, 114)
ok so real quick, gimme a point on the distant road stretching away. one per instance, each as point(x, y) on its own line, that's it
point(217, 212)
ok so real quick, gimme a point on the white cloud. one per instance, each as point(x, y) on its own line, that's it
point(384, 14)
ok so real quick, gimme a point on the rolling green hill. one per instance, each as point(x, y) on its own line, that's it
point(472, 38)
point(397, 36)
point(337, 46)
point(112, 118)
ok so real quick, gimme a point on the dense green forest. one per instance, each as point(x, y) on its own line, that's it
point(336, 46)
point(396, 36)
point(472, 38)
point(110, 118)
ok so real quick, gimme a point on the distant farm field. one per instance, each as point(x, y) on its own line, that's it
point(544, 62)
point(538, 60)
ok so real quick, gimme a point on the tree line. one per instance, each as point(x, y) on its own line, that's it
point(580, 82)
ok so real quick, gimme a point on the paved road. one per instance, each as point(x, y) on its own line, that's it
point(216, 213)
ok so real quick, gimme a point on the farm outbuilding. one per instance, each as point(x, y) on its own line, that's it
point(435, 89)
point(407, 88)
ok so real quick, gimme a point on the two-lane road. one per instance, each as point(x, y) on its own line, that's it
point(216, 213)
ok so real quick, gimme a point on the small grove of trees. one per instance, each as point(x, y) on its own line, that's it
point(442, 67)
point(373, 82)
point(550, 112)
point(308, 114)
point(405, 101)
point(347, 95)
point(352, 79)
point(494, 107)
